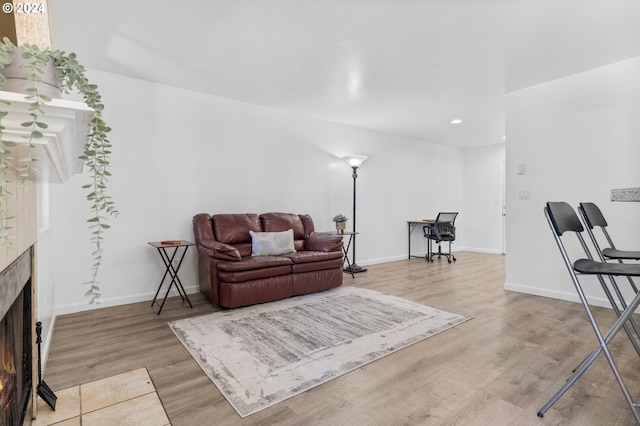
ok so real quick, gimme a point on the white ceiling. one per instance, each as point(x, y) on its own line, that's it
point(404, 67)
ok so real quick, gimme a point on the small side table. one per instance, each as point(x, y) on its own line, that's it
point(352, 235)
point(167, 259)
point(345, 248)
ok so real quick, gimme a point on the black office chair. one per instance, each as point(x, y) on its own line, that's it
point(443, 229)
point(563, 219)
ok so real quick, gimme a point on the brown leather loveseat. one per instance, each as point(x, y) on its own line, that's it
point(230, 276)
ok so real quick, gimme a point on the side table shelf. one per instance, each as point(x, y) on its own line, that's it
point(171, 271)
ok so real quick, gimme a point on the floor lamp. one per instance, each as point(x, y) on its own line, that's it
point(354, 161)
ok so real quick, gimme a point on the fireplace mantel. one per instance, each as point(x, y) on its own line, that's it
point(58, 150)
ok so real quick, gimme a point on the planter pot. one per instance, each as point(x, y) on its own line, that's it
point(340, 227)
point(17, 80)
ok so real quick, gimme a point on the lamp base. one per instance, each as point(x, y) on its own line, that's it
point(354, 269)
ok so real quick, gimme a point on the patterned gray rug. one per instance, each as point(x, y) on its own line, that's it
point(260, 355)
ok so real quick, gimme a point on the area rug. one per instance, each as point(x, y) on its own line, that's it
point(261, 355)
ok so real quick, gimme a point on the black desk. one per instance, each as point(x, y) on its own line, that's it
point(172, 271)
point(412, 224)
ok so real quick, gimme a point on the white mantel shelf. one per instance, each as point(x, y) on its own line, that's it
point(58, 151)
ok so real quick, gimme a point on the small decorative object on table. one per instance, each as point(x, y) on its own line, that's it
point(341, 223)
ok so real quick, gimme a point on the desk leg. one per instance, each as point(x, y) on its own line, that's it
point(411, 228)
point(173, 274)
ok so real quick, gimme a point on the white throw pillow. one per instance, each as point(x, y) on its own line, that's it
point(271, 243)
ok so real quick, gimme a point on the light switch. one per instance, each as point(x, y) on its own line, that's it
point(522, 169)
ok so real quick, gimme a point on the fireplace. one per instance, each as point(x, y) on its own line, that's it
point(15, 340)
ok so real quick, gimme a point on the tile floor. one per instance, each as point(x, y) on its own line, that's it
point(126, 399)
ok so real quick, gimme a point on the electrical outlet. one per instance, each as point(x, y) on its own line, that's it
point(524, 195)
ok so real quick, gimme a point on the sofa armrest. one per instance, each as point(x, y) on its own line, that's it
point(206, 242)
point(323, 242)
point(218, 250)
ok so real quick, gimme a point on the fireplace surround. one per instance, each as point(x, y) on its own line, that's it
point(16, 339)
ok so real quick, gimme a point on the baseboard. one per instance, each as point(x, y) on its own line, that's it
point(387, 259)
point(117, 301)
point(423, 254)
point(481, 250)
point(554, 294)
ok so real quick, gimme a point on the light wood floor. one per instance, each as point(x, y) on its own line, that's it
point(497, 369)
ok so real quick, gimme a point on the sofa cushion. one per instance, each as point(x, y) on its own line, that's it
point(245, 293)
point(317, 266)
point(234, 228)
point(276, 222)
point(254, 268)
point(313, 256)
point(244, 249)
point(258, 262)
point(271, 243)
point(254, 274)
point(307, 223)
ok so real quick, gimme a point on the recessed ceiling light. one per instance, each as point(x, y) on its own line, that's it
point(456, 121)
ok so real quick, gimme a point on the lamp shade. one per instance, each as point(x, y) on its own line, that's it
point(355, 160)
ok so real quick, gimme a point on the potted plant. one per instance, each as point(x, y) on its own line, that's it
point(71, 76)
point(341, 222)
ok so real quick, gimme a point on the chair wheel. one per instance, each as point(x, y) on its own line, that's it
point(449, 260)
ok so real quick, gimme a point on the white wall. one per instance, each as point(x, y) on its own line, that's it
point(177, 153)
point(579, 137)
point(482, 197)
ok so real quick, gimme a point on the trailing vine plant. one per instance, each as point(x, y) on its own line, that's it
point(96, 152)
point(21, 167)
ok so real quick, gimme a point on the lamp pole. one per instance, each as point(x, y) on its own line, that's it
point(354, 161)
